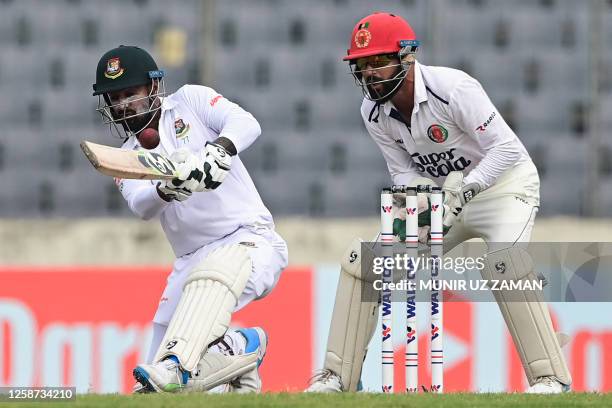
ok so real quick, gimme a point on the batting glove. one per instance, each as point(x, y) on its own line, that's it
point(190, 174)
point(217, 163)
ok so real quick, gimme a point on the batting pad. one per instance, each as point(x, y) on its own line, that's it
point(353, 319)
point(209, 297)
point(526, 316)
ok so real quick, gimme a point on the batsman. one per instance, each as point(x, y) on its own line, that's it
point(227, 251)
point(437, 126)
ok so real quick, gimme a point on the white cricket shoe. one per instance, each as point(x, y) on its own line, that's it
point(138, 388)
point(325, 381)
point(232, 369)
point(165, 376)
point(256, 342)
point(547, 385)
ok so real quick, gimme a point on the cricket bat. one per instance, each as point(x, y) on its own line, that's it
point(129, 164)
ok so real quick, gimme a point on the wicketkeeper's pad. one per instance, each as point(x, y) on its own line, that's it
point(354, 317)
point(526, 315)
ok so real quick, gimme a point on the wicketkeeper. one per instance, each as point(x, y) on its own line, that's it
point(227, 252)
point(436, 125)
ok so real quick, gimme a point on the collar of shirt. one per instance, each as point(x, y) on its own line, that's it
point(168, 103)
point(420, 92)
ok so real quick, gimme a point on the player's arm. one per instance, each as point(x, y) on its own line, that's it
point(402, 169)
point(236, 127)
point(401, 166)
point(143, 197)
point(206, 170)
point(476, 115)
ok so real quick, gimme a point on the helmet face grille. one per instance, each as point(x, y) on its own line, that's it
point(405, 59)
point(124, 125)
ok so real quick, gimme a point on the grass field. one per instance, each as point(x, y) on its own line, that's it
point(335, 401)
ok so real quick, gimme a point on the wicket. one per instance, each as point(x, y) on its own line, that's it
point(411, 359)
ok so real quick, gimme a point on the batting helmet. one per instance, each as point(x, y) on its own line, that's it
point(124, 67)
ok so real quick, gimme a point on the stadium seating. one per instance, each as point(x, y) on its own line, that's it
point(282, 61)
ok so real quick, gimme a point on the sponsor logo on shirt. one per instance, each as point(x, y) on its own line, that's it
point(483, 127)
point(214, 100)
point(440, 164)
point(437, 133)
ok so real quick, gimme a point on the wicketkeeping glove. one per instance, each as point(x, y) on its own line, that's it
point(399, 216)
point(456, 196)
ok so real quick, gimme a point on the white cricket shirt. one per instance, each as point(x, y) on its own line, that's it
point(189, 118)
point(454, 126)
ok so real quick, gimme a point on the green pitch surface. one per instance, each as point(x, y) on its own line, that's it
point(334, 401)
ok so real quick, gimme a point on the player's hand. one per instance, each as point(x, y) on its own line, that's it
point(217, 163)
point(456, 196)
point(169, 193)
point(190, 173)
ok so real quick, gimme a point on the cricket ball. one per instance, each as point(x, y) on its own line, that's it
point(148, 138)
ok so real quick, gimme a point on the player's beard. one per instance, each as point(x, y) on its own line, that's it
point(389, 87)
point(137, 123)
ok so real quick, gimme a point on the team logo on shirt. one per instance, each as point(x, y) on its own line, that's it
point(181, 128)
point(113, 68)
point(437, 133)
point(363, 35)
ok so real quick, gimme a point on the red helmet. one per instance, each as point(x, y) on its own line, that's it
point(380, 33)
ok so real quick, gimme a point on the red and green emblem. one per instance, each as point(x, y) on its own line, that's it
point(363, 35)
point(437, 133)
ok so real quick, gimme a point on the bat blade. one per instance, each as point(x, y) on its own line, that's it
point(129, 164)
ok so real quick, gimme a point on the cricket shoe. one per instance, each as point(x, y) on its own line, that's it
point(548, 385)
point(256, 342)
point(138, 388)
point(325, 381)
point(239, 369)
point(165, 376)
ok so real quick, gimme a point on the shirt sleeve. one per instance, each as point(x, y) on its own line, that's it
point(401, 166)
point(476, 115)
point(142, 197)
point(223, 116)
